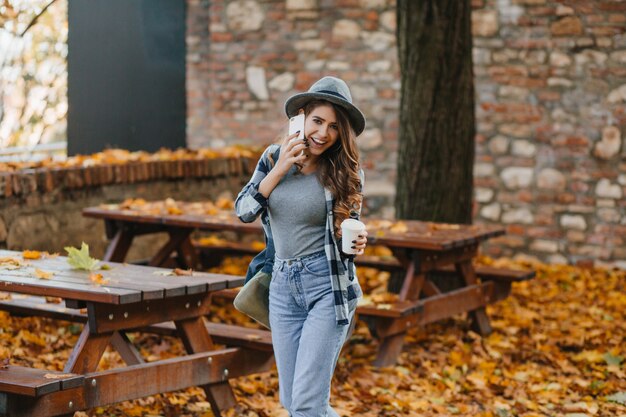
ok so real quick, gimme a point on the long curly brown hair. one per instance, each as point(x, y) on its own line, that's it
point(338, 167)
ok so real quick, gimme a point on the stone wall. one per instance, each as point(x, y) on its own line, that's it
point(551, 104)
point(551, 89)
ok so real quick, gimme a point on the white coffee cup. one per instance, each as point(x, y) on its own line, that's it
point(350, 230)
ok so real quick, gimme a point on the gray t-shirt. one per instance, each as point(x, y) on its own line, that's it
point(297, 211)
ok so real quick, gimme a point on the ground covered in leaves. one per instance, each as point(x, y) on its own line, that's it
point(557, 349)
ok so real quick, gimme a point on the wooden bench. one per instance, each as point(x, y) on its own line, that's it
point(501, 277)
point(32, 382)
point(223, 334)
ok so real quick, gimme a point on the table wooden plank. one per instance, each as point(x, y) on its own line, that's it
point(80, 292)
point(119, 276)
point(147, 291)
point(26, 381)
point(107, 317)
point(35, 382)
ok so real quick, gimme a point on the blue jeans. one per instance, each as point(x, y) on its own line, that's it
point(305, 334)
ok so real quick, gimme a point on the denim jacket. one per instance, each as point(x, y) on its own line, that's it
point(250, 204)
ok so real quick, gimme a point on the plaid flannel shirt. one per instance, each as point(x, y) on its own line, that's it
point(251, 203)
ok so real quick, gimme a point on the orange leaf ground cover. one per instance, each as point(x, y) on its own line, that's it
point(557, 349)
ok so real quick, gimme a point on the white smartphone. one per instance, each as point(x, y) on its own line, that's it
point(296, 123)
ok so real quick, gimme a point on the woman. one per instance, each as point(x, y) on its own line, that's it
point(303, 190)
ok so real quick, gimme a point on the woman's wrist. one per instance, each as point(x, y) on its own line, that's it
point(267, 185)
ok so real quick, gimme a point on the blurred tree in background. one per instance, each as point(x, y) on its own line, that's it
point(33, 72)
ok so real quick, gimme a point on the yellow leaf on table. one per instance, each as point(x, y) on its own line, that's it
point(443, 226)
point(225, 203)
point(399, 227)
point(98, 278)
point(43, 274)
point(174, 210)
point(380, 250)
point(31, 254)
point(384, 298)
point(10, 263)
point(80, 259)
point(212, 241)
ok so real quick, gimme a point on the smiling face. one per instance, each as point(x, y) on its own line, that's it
point(321, 129)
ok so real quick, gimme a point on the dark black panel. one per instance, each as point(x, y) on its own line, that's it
point(126, 74)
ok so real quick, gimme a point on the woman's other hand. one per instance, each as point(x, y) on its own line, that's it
point(360, 243)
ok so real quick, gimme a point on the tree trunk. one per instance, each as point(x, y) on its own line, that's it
point(436, 134)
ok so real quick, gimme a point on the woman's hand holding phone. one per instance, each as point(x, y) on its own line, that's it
point(291, 152)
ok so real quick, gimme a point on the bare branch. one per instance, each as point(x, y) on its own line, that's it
point(32, 22)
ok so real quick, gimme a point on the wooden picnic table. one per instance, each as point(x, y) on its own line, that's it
point(419, 249)
point(123, 298)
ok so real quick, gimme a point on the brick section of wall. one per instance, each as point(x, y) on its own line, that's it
point(551, 104)
point(259, 53)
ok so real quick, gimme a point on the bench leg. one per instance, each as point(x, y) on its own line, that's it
point(479, 318)
point(480, 322)
point(176, 238)
point(389, 350)
point(126, 349)
point(87, 352)
point(187, 254)
point(119, 246)
point(196, 339)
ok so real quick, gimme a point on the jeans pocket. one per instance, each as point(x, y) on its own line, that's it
point(317, 266)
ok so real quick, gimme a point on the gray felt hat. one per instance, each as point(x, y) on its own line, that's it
point(330, 89)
